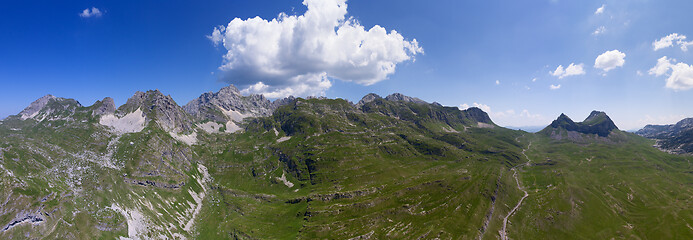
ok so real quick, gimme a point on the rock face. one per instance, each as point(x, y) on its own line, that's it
point(156, 106)
point(596, 123)
point(676, 138)
point(228, 104)
point(103, 107)
point(368, 98)
point(477, 115)
point(402, 97)
point(51, 108)
point(36, 106)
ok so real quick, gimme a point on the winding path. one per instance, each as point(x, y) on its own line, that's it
point(503, 231)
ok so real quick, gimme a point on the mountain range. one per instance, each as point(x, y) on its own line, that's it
point(675, 138)
point(228, 166)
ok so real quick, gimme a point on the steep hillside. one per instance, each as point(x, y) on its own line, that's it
point(597, 123)
point(675, 138)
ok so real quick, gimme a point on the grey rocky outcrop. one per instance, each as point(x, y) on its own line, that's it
point(402, 97)
point(675, 138)
point(36, 106)
point(212, 106)
point(368, 98)
point(103, 107)
point(161, 108)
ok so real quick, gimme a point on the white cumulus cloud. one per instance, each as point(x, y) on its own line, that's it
point(90, 12)
point(572, 70)
point(681, 76)
point(610, 60)
point(600, 10)
point(670, 40)
point(298, 55)
point(554, 87)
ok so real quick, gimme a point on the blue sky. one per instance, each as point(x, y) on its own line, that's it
point(499, 55)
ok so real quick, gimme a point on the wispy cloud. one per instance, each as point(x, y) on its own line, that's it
point(555, 87)
point(572, 70)
point(600, 10)
point(670, 40)
point(91, 12)
point(599, 31)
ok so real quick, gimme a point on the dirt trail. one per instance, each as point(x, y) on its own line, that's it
point(503, 231)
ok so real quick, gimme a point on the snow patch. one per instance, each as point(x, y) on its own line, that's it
point(281, 139)
point(276, 133)
point(190, 139)
point(286, 182)
point(130, 123)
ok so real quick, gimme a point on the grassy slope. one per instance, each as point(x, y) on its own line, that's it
point(354, 174)
point(623, 189)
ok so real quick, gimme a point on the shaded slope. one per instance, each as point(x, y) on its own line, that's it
point(596, 123)
point(676, 138)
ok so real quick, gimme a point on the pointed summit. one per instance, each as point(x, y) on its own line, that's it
point(154, 105)
point(228, 104)
point(368, 98)
point(36, 106)
point(50, 107)
point(596, 123)
point(103, 107)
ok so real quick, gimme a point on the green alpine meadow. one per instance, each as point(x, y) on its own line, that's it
point(317, 168)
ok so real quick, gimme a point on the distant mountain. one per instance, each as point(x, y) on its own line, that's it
point(596, 123)
point(675, 138)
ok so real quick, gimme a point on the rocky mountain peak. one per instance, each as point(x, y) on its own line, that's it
point(368, 98)
point(675, 138)
point(228, 104)
point(402, 97)
point(103, 107)
point(596, 117)
point(36, 106)
point(596, 123)
point(230, 90)
point(162, 108)
point(478, 115)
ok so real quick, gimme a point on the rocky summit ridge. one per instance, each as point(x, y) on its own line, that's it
point(226, 111)
point(596, 123)
point(676, 138)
